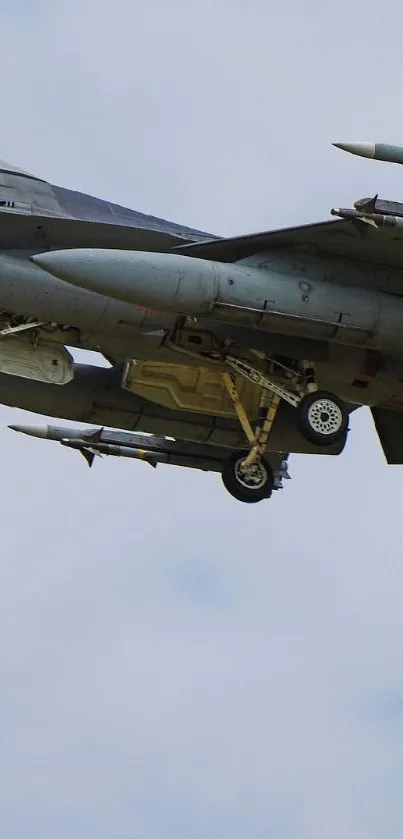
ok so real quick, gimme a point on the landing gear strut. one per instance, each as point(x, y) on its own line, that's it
point(248, 476)
point(322, 420)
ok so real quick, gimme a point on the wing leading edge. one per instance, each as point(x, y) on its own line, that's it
point(340, 238)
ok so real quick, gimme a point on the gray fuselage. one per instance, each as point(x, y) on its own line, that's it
point(37, 217)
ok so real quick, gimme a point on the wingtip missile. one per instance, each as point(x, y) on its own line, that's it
point(374, 151)
point(360, 149)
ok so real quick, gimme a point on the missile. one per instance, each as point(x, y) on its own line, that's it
point(91, 442)
point(95, 442)
point(374, 151)
point(374, 219)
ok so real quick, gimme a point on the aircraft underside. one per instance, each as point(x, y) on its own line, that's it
point(260, 392)
point(241, 349)
point(239, 393)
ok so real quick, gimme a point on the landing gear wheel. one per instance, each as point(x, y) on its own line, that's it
point(322, 418)
point(249, 486)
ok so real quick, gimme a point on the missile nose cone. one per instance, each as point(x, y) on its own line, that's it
point(361, 149)
point(31, 430)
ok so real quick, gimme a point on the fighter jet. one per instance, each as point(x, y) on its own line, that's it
point(225, 354)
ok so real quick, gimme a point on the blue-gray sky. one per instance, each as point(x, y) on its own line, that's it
point(173, 664)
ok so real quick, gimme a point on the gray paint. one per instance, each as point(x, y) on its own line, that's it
point(37, 197)
point(153, 683)
point(281, 291)
point(261, 298)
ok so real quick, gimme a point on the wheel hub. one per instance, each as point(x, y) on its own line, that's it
point(325, 417)
point(254, 477)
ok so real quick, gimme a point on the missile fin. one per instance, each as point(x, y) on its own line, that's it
point(94, 436)
point(87, 452)
point(366, 205)
point(88, 455)
point(151, 461)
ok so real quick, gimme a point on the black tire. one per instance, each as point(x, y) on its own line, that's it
point(322, 418)
point(259, 485)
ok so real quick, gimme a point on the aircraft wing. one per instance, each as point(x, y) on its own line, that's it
point(341, 238)
point(34, 212)
point(36, 232)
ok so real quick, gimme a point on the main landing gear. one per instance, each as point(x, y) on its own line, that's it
point(322, 420)
point(247, 484)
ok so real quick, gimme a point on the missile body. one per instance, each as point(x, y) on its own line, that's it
point(90, 442)
point(122, 443)
point(375, 151)
point(100, 441)
point(149, 448)
point(288, 303)
point(375, 219)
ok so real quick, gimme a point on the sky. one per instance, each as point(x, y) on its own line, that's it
point(172, 663)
